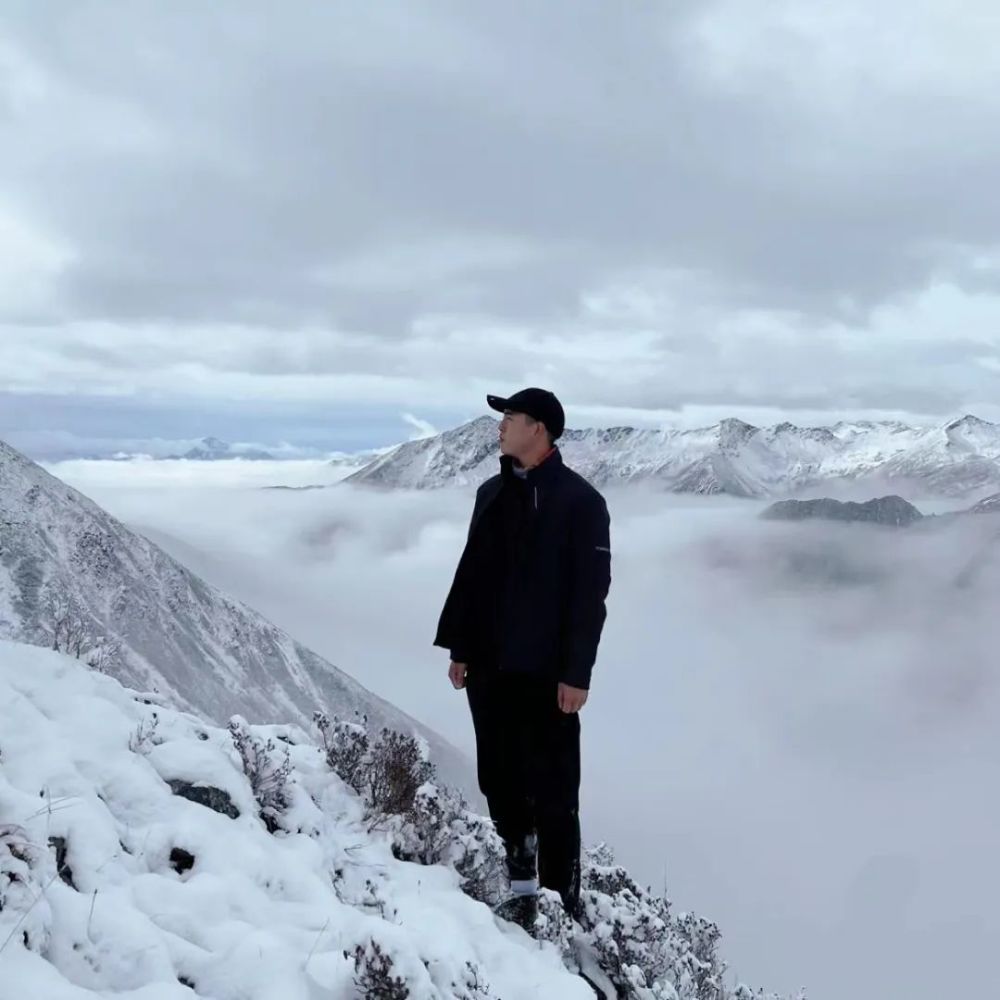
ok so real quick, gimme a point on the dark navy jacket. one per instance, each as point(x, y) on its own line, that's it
point(548, 609)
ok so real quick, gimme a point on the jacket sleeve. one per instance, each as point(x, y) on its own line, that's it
point(590, 580)
point(453, 617)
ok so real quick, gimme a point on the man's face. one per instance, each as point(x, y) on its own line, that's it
point(518, 434)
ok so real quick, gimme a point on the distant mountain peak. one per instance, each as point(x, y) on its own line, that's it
point(733, 432)
point(212, 449)
point(736, 425)
point(477, 426)
point(214, 443)
point(970, 420)
point(484, 421)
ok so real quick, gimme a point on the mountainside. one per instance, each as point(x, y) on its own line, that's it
point(74, 577)
point(146, 870)
point(732, 457)
point(458, 456)
point(147, 854)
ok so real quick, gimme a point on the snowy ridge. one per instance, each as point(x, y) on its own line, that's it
point(62, 556)
point(144, 853)
point(456, 457)
point(953, 459)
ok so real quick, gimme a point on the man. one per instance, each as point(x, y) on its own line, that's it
point(522, 622)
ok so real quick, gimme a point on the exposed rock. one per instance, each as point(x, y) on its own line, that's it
point(62, 849)
point(181, 861)
point(892, 510)
point(206, 795)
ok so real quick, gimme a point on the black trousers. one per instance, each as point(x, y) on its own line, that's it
point(528, 763)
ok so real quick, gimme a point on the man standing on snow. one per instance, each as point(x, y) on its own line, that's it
point(522, 622)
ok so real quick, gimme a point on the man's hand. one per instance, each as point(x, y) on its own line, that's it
point(571, 699)
point(456, 674)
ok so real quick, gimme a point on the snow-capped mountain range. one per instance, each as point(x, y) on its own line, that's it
point(957, 458)
point(71, 572)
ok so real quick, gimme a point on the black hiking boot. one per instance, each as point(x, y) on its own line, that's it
point(522, 859)
point(521, 910)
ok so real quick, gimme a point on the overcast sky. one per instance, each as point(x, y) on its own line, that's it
point(300, 223)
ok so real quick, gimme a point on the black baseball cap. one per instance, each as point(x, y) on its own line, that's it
point(540, 404)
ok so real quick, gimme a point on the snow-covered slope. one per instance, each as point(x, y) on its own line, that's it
point(149, 855)
point(953, 459)
point(65, 560)
point(162, 898)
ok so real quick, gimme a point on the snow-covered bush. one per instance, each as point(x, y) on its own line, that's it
point(429, 824)
point(105, 654)
point(629, 932)
point(65, 624)
point(346, 746)
point(268, 777)
point(378, 977)
point(642, 949)
point(144, 738)
point(645, 951)
point(439, 828)
point(396, 767)
point(386, 772)
point(374, 975)
point(26, 870)
point(553, 923)
point(473, 985)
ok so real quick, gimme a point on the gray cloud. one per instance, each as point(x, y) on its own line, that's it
point(272, 151)
point(476, 167)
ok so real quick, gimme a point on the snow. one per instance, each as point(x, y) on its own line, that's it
point(259, 916)
point(732, 457)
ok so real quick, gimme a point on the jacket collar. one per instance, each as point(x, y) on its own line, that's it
point(540, 473)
